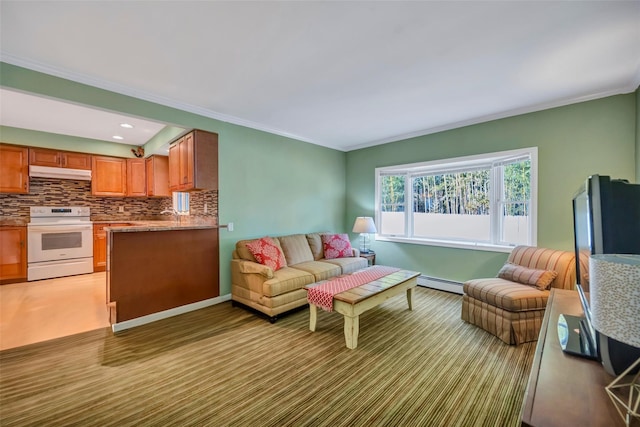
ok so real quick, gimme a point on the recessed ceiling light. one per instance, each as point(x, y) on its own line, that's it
point(126, 125)
point(118, 137)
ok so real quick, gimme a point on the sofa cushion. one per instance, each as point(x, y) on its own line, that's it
point(296, 248)
point(267, 252)
point(348, 265)
point(286, 280)
point(506, 294)
point(541, 279)
point(336, 246)
point(320, 270)
point(315, 244)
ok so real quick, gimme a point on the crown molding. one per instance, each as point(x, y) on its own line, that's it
point(145, 96)
point(167, 102)
point(502, 115)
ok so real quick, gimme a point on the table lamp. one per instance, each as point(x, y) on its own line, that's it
point(364, 225)
point(615, 312)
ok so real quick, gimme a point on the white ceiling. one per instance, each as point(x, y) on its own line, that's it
point(340, 74)
point(26, 111)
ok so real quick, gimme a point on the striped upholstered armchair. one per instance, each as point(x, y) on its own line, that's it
point(511, 305)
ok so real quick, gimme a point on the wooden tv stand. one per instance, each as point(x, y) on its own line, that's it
point(565, 390)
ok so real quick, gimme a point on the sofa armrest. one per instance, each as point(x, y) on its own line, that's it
point(356, 252)
point(250, 267)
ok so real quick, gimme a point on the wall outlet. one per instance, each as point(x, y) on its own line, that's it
point(120, 208)
point(230, 226)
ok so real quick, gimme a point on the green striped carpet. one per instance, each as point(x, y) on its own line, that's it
point(224, 366)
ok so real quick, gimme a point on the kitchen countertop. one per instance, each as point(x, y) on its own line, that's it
point(15, 222)
point(132, 225)
point(137, 226)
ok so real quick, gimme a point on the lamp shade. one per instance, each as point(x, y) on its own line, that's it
point(364, 224)
point(614, 293)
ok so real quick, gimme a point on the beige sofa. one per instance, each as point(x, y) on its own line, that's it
point(276, 292)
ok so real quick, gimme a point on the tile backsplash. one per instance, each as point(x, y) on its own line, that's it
point(64, 192)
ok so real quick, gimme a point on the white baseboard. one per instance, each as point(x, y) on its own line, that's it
point(138, 321)
point(440, 284)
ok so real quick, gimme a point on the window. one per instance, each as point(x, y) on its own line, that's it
point(181, 202)
point(484, 202)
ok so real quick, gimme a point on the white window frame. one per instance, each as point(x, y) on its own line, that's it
point(490, 160)
point(181, 202)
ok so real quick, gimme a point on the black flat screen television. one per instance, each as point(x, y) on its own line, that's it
point(606, 220)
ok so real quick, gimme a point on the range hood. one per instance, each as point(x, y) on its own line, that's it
point(59, 173)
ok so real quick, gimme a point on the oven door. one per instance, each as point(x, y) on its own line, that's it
point(57, 242)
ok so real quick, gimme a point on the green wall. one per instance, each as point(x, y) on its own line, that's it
point(275, 185)
point(267, 184)
point(595, 137)
point(34, 138)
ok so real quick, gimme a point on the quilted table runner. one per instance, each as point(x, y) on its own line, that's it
point(322, 295)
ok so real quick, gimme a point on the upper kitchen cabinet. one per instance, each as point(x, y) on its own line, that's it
point(157, 176)
point(136, 178)
point(193, 162)
point(59, 159)
point(14, 164)
point(109, 176)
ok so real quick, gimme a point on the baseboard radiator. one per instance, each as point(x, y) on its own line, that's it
point(440, 284)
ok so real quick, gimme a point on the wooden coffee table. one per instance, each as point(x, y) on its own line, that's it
point(355, 301)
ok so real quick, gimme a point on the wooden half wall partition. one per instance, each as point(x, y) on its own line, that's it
point(152, 271)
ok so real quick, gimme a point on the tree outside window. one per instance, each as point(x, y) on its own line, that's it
point(483, 200)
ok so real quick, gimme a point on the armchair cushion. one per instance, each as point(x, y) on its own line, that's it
point(541, 279)
point(506, 294)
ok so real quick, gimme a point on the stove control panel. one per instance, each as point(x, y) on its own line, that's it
point(59, 211)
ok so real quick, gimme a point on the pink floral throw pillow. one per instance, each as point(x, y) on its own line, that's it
point(336, 246)
point(268, 253)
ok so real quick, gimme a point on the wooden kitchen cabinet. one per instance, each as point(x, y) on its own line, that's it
point(99, 247)
point(100, 244)
point(193, 162)
point(109, 176)
point(14, 164)
point(13, 254)
point(157, 168)
point(59, 159)
point(136, 178)
point(175, 177)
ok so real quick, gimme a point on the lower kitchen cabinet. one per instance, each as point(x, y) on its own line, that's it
point(100, 245)
point(13, 254)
